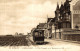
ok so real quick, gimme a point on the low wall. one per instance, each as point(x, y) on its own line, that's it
point(72, 37)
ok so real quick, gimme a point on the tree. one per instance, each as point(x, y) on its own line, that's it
point(16, 33)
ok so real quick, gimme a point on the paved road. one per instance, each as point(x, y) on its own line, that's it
point(51, 42)
point(58, 45)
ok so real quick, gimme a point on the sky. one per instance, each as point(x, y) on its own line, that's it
point(23, 15)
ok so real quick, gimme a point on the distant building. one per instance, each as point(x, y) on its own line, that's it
point(53, 27)
point(41, 26)
point(50, 23)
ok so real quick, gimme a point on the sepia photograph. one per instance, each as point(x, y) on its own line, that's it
point(41, 25)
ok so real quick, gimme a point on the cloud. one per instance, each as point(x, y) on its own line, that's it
point(31, 1)
point(19, 16)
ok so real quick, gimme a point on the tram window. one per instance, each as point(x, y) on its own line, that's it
point(36, 33)
point(41, 34)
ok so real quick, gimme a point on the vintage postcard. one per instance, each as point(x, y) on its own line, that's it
point(41, 25)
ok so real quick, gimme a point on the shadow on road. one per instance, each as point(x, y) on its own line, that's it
point(44, 43)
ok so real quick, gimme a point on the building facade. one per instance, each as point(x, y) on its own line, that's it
point(75, 8)
point(62, 19)
point(67, 23)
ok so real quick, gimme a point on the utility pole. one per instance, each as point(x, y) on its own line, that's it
point(47, 28)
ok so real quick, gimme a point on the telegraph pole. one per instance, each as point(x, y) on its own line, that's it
point(47, 28)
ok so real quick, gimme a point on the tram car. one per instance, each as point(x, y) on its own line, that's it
point(38, 36)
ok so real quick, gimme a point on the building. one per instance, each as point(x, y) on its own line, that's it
point(62, 19)
point(41, 26)
point(67, 24)
point(74, 33)
point(75, 8)
point(50, 23)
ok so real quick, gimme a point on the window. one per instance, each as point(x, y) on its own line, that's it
point(68, 25)
point(40, 34)
point(36, 33)
point(64, 25)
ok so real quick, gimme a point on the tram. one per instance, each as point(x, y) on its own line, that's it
point(38, 36)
